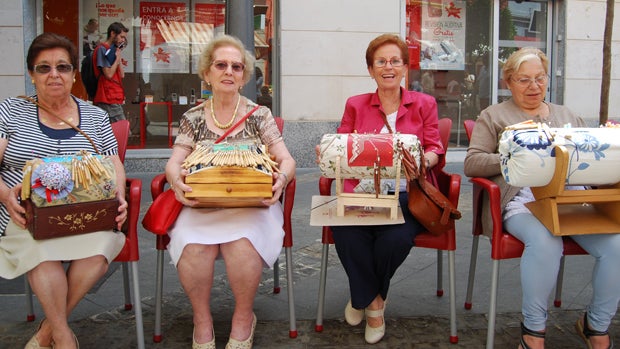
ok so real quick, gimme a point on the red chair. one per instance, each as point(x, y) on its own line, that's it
point(158, 184)
point(450, 185)
point(129, 255)
point(503, 245)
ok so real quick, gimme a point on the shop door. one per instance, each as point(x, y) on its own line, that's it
point(521, 24)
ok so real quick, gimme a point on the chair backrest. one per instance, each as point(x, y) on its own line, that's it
point(445, 127)
point(121, 132)
point(469, 128)
point(279, 122)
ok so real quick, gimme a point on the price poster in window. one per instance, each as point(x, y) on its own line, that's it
point(442, 34)
point(164, 37)
point(97, 16)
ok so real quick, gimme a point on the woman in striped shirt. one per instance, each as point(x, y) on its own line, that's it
point(27, 132)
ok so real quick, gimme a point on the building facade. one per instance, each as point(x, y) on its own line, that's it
point(310, 56)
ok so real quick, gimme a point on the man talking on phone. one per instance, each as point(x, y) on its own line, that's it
point(110, 94)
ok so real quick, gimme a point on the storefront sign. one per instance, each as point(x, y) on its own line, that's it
point(442, 34)
point(164, 37)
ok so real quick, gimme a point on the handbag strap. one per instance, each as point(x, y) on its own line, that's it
point(34, 101)
point(222, 137)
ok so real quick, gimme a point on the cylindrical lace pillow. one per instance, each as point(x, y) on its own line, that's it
point(359, 152)
point(528, 160)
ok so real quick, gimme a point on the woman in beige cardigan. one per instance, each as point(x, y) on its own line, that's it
point(526, 74)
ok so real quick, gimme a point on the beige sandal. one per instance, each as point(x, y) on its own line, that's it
point(246, 344)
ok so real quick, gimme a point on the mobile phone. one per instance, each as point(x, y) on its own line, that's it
point(122, 45)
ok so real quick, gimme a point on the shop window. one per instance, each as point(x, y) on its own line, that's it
point(166, 38)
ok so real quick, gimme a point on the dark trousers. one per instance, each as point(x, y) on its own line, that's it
point(370, 254)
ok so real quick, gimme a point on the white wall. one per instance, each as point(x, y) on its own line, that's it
point(12, 69)
point(323, 47)
point(584, 58)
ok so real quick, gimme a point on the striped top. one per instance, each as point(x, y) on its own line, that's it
point(28, 139)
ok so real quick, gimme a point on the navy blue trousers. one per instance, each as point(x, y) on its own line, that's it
point(370, 254)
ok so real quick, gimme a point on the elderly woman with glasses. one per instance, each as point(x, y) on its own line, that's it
point(248, 239)
point(28, 131)
point(526, 74)
point(371, 255)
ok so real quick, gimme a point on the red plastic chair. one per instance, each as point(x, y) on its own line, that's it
point(158, 185)
point(129, 255)
point(503, 245)
point(450, 185)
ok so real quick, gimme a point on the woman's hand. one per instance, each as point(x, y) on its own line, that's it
point(317, 150)
point(279, 183)
point(16, 211)
point(122, 212)
point(178, 186)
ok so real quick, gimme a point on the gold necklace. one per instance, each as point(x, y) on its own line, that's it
point(232, 119)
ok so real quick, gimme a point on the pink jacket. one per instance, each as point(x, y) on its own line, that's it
point(417, 115)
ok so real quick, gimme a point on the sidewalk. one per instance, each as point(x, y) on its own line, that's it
point(415, 316)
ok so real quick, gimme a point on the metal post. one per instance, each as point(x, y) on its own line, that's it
point(240, 23)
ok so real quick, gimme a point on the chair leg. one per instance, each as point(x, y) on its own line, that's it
point(557, 302)
point(318, 327)
point(292, 333)
point(472, 271)
point(454, 338)
point(159, 286)
point(138, 303)
point(439, 273)
point(493, 304)
point(276, 276)
point(125, 267)
point(28, 292)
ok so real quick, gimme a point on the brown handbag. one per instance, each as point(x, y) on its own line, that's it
point(426, 203)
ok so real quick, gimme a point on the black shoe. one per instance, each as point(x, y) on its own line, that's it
point(527, 332)
point(584, 331)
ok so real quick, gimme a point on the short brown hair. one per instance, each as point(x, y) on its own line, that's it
point(48, 41)
point(206, 57)
point(386, 39)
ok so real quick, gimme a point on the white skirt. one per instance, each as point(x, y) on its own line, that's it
point(262, 226)
point(20, 253)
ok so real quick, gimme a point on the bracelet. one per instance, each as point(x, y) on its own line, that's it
point(285, 178)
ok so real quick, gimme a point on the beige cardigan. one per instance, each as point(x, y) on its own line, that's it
point(482, 159)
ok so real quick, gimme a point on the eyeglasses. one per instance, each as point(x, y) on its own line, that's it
point(236, 67)
point(525, 82)
point(46, 68)
point(382, 62)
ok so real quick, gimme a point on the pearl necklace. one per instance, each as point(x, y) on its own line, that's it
point(232, 119)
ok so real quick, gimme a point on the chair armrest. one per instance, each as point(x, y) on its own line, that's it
point(325, 186)
point(450, 185)
point(130, 251)
point(483, 186)
point(158, 183)
point(288, 202)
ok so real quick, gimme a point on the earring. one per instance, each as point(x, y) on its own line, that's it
point(74, 80)
point(32, 80)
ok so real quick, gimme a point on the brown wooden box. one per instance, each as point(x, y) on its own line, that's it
point(72, 219)
point(229, 186)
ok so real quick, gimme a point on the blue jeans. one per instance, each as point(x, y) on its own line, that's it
point(540, 264)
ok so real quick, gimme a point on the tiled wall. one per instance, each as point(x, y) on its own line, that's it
point(12, 69)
